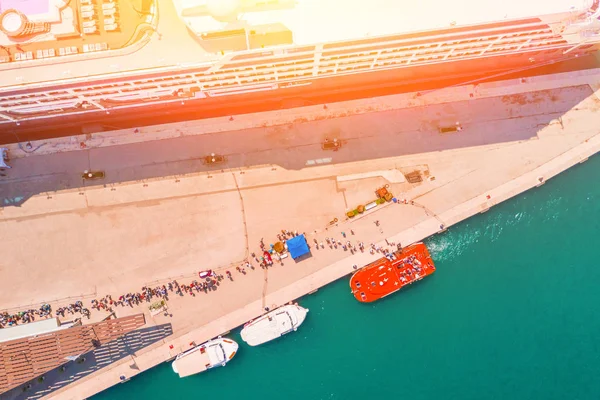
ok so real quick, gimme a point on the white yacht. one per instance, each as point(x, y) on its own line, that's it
point(214, 353)
point(274, 324)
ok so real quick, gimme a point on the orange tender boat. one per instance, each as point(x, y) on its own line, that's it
point(391, 273)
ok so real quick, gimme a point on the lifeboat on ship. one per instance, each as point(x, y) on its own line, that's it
point(389, 274)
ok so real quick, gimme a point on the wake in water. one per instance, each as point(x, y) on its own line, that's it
point(462, 237)
point(453, 243)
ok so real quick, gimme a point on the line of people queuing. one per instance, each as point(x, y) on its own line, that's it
point(45, 311)
point(147, 294)
point(211, 281)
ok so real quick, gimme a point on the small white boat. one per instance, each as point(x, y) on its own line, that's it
point(274, 324)
point(214, 353)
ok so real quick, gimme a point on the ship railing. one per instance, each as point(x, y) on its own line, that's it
point(347, 47)
point(41, 108)
point(588, 18)
point(350, 55)
point(589, 23)
point(94, 94)
point(589, 36)
point(393, 47)
point(343, 50)
point(347, 62)
point(329, 66)
point(337, 64)
point(264, 82)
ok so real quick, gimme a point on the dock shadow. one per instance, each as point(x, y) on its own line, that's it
point(377, 135)
point(303, 257)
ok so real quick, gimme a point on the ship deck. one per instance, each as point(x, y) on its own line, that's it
point(168, 44)
point(321, 21)
point(384, 276)
point(171, 44)
point(75, 29)
point(267, 328)
point(194, 362)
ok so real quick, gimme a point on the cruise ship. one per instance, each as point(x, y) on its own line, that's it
point(84, 65)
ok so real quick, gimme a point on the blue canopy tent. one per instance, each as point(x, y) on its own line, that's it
point(297, 246)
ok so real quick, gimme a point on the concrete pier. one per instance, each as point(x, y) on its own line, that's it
point(162, 214)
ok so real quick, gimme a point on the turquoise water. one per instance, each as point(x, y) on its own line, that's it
point(511, 313)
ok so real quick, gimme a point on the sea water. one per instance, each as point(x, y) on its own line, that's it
point(512, 312)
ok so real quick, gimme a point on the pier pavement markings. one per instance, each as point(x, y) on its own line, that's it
point(243, 212)
point(319, 161)
point(264, 292)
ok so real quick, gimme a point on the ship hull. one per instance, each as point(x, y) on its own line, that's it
point(197, 359)
point(385, 276)
point(267, 328)
point(306, 92)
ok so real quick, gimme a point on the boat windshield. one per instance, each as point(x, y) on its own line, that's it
point(293, 318)
point(283, 316)
point(216, 354)
point(222, 353)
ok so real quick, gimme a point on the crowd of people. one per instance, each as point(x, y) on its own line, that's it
point(107, 303)
point(147, 294)
point(76, 307)
point(210, 281)
point(45, 311)
point(347, 245)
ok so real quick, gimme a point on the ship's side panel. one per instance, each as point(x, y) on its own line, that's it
point(313, 91)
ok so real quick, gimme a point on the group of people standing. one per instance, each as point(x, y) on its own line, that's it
point(45, 311)
point(147, 294)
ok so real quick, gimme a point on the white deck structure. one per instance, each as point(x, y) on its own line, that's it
point(311, 22)
point(212, 354)
point(274, 324)
point(323, 21)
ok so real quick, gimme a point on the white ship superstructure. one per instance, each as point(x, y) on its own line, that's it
point(228, 48)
